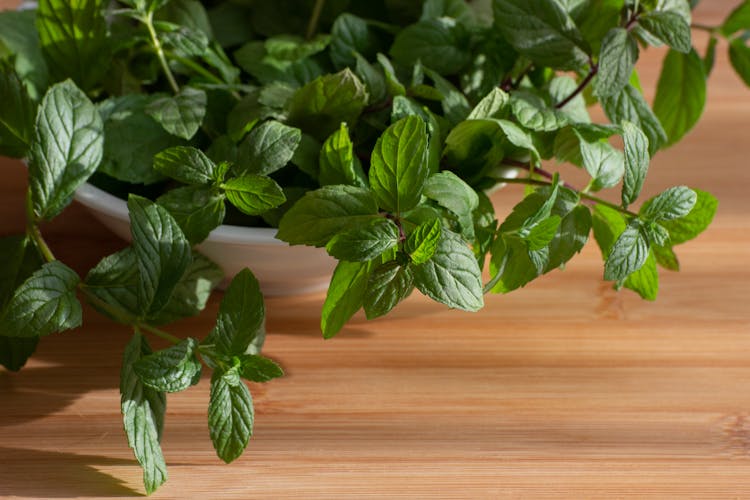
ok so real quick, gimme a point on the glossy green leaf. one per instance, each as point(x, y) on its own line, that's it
point(628, 253)
point(172, 369)
point(388, 284)
point(257, 368)
point(253, 194)
point(44, 303)
point(182, 114)
point(629, 105)
point(680, 93)
point(162, 253)
point(320, 214)
point(695, 222)
point(619, 52)
point(669, 27)
point(739, 57)
point(185, 164)
point(533, 113)
point(738, 19)
point(73, 38)
point(198, 210)
point(66, 149)
point(452, 276)
point(338, 165)
point(364, 243)
point(320, 106)
point(17, 119)
point(438, 43)
point(143, 411)
point(268, 147)
point(345, 295)
point(398, 167)
point(240, 322)
point(636, 162)
point(230, 417)
point(423, 241)
point(542, 31)
point(673, 203)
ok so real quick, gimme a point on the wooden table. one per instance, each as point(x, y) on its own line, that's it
point(562, 389)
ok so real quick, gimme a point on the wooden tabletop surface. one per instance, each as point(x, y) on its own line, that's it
point(562, 389)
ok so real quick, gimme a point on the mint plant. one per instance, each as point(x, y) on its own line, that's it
point(373, 130)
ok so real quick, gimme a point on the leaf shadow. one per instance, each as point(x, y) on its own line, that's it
point(50, 474)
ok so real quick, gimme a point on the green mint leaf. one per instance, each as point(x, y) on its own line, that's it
point(695, 222)
point(350, 35)
point(389, 284)
point(629, 105)
point(608, 225)
point(511, 263)
point(636, 162)
point(188, 13)
point(493, 105)
point(666, 257)
point(618, 55)
point(393, 84)
point(473, 147)
point(542, 31)
point(320, 214)
point(533, 113)
point(364, 243)
point(255, 58)
point(186, 164)
point(43, 304)
point(674, 203)
point(680, 93)
point(257, 368)
point(541, 234)
point(338, 165)
point(162, 253)
point(628, 253)
point(423, 241)
point(657, 234)
point(240, 322)
point(66, 149)
point(73, 37)
point(114, 280)
point(17, 119)
point(230, 417)
point(452, 276)
point(172, 369)
point(567, 145)
point(710, 57)
point(669, 27)
point(267, 148)
point(19, 35)
point(183, 41)
point(571, 237)
point(192, 292)
point(345, 295)
point(253, 194)
point(454, 9)
point(15, 351)
point(739, 57)
point(604, 163)
point(439, 44)
point(180, 115)
point(452, 193)
point(197, 210)
point(373, 78)
point(131, 139)
point(645, 281)
point(738, 19)
point(143, 415)
point(320, 106)
point(398, 168)
point(576, 109)
point(248, 112)
point(454, 103)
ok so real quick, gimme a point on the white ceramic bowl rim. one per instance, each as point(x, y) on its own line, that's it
point(111, 205)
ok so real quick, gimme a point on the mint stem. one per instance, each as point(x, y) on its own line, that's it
point(312, 26)
point(592, 72)
point(149, 22)
point(33, 232)
point(704, 27)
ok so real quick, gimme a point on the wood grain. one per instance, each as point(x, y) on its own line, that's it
point(564, 389)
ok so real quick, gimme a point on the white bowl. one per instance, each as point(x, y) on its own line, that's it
point(281, 269)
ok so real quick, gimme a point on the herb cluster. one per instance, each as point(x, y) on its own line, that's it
point(371, 129)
